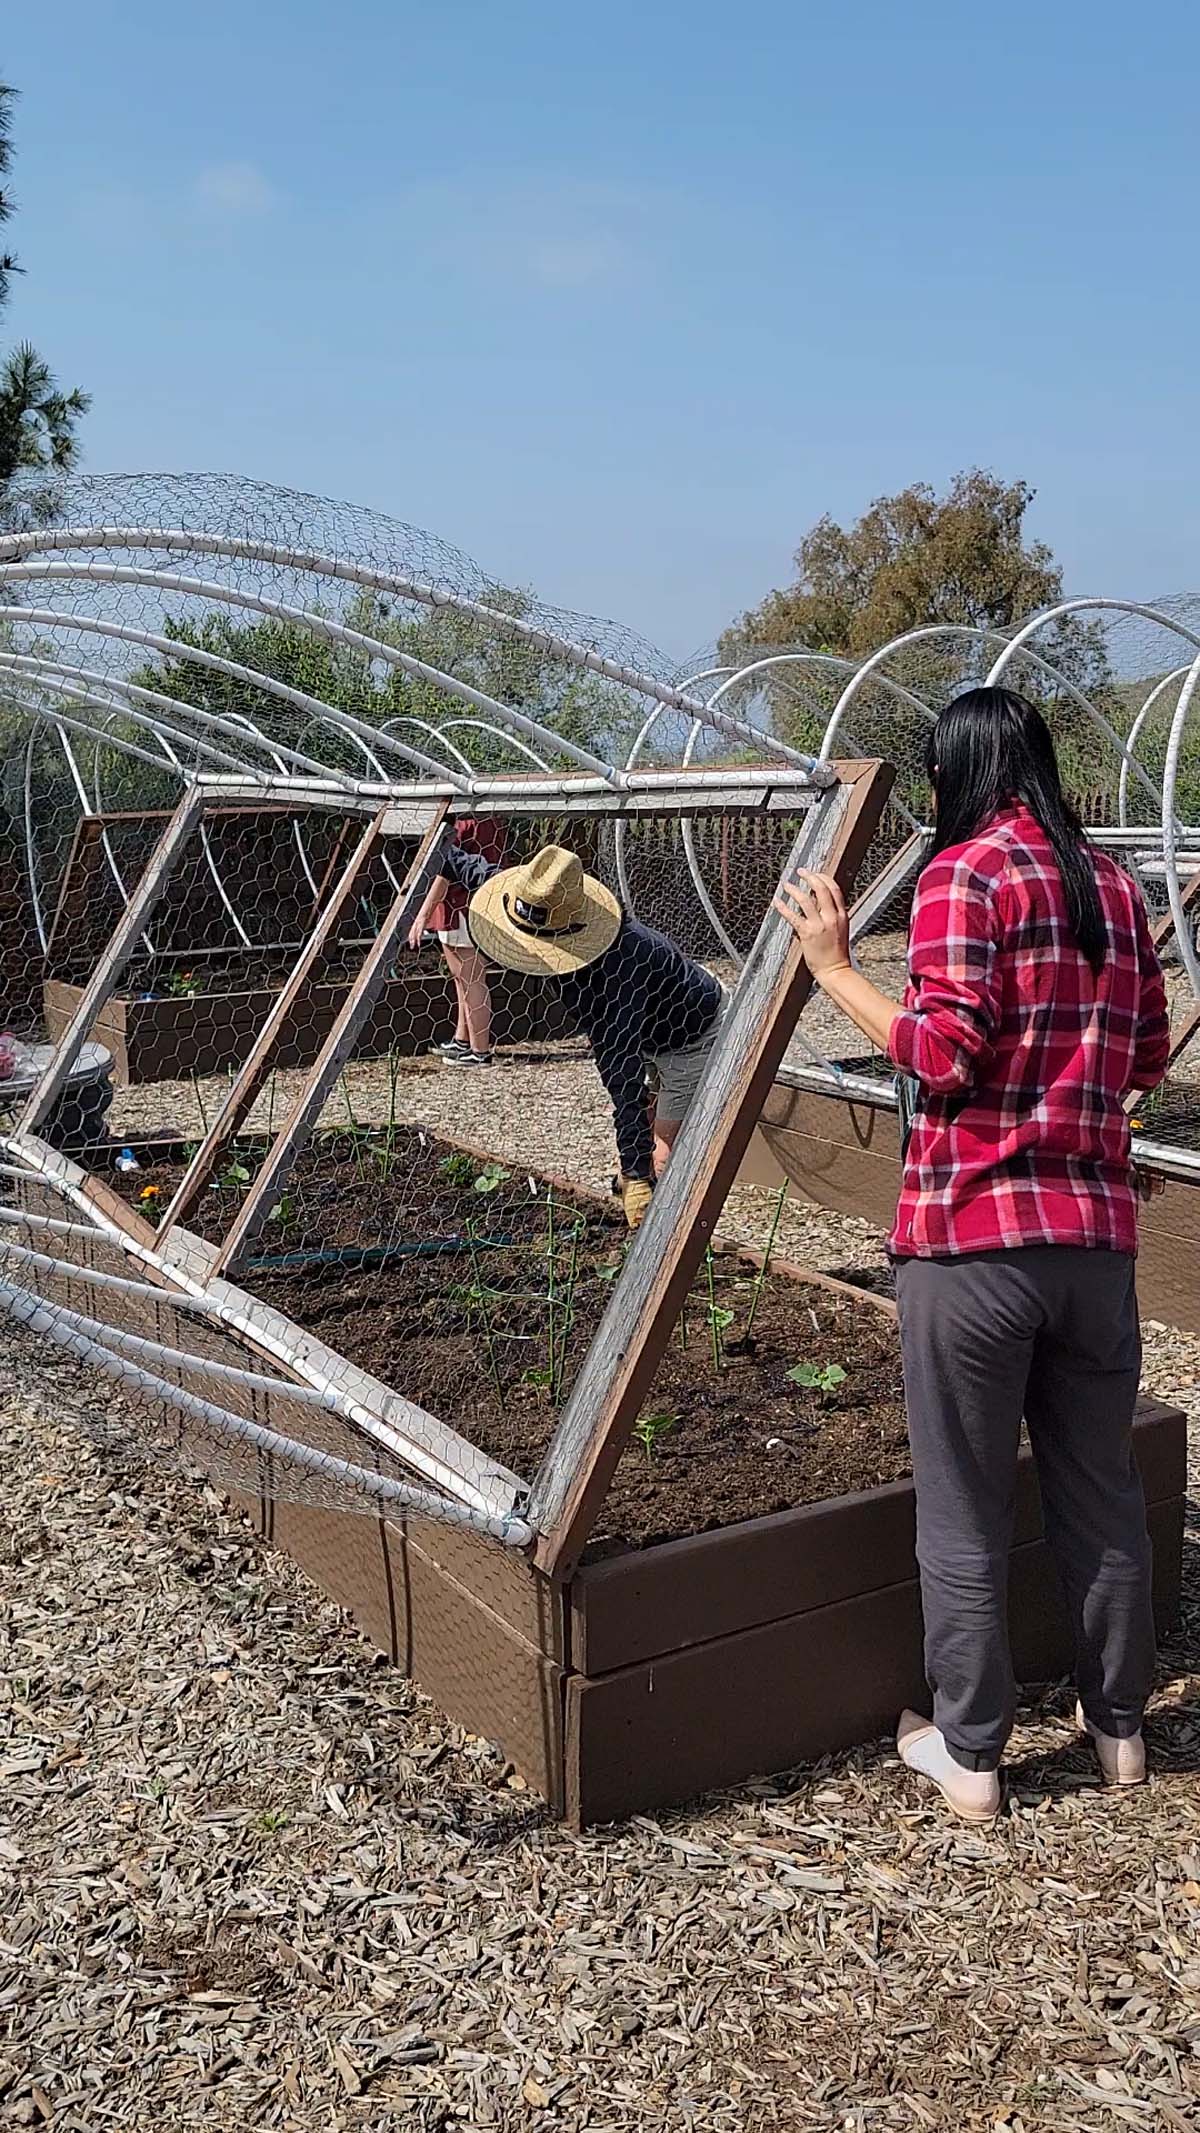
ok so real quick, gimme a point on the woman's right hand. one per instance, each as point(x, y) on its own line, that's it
point(416, 932)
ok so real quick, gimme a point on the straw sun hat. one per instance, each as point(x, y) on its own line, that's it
point(545, 917)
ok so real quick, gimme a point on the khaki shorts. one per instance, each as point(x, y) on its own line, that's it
point(674, 1077)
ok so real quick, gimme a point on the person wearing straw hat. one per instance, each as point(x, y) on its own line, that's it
point(650, 1015)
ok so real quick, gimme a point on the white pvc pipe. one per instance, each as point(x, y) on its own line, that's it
point(161, 736)
point(188, 1291)
point(176, 540)
point(1132, 738)
point(318, 625)
point(1183, 931)
point(55, 1321)
point(175, 648)
point(98, 696)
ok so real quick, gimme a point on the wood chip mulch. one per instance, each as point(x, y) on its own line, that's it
point(250, 1878)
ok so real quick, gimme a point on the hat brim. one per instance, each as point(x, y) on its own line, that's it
point(495, 935)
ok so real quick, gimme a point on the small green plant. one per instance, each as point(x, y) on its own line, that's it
point(385, 1153)
point(764, 1269)
point(482, 1296)
point(184, 984)
point(271, 1821)
point(719, 1317)
point(610, 1273)
point(234, 1178)
point(200, 1104)
point(358, 1135)
point(283, 1212)
point(650, 1430)
point(538, 1375)
point(458, 1170)
point(818, 1377)
point(567, 1310)
point(491, 1179)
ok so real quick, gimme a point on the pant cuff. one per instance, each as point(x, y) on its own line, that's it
point(1123, 1728)
point(973, 1758)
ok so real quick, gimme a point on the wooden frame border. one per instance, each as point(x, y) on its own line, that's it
point(293, 1134)
point(253, 1072)
point(103, 982)
point(592, 1432)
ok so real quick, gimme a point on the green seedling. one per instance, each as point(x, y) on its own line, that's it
point(539, 1375)
point(203, 1114)
point(492, 1178)
point(234, 1178)
point(271, 1821)
point(761, 1276)
point(610, 1273)
point(818, 1377)
point(184, 985)
point(718, 1317)
point(358, 1135)
point(567, 1311)
point(384, 1154)
point(457, 1170)
point(650, 1430)
point(483, 1296)
point(284, 1211)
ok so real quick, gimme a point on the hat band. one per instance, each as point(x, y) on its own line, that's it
point(534, 920)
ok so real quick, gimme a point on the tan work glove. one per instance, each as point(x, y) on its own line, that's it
point(636, 1195)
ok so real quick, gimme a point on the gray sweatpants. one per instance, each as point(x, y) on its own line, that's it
point(1051, 1331)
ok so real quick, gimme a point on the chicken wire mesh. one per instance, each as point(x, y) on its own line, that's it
point(442, 1240)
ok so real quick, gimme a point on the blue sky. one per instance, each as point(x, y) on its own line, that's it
point(618, 297)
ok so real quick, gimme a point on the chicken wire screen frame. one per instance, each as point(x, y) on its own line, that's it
point(566, 1494)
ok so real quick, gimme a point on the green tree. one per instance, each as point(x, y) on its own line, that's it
point(37, 418)
point(580, 706)
point(8, 264)
point(918, 559)
point(913, 558)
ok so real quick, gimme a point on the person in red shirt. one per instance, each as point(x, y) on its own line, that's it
point(444, 912)
point(1035, 1005)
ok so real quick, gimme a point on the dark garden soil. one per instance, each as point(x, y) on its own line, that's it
point(464, 1286)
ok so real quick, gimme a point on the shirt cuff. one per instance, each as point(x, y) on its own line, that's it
point(902, 1041)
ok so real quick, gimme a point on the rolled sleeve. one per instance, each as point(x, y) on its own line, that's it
point(945, 1036)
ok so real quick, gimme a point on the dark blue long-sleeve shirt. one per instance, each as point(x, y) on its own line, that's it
point(641, 997)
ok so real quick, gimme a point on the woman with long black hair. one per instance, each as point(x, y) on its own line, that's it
point(1035, 1004)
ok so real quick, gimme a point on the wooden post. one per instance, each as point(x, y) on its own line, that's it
point(895, 876)
point(1164, 929)
point(620, 1364)
point(263, 1194)
point(104, 979)
point(255, 1068)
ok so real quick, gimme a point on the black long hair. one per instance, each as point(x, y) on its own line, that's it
point(989, 748)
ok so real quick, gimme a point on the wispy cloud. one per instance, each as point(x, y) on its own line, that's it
point(234, 192)
point(568, 236)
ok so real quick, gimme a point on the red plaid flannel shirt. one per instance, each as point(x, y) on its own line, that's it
point(1024, 1056)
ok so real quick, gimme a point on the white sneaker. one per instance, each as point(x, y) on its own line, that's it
point(973, 1795)
point(1122, 1762)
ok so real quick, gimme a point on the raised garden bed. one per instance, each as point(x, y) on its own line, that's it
point(783, 1626)
point(385, 1247)
point(170, 1036)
